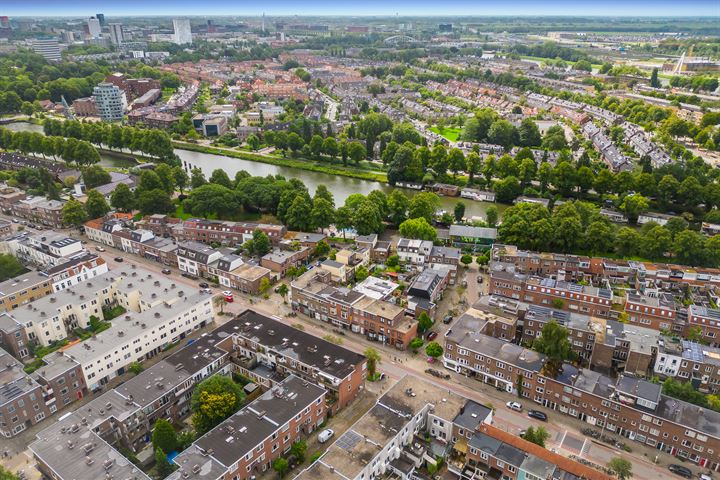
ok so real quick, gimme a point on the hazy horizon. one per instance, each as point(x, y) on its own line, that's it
point(369, 8)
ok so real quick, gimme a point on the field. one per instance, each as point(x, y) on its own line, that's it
point(451, 133)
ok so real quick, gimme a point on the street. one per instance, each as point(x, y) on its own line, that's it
point(565, 436)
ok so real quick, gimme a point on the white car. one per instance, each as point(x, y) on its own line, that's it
point(325, 435)
point(514, 406)
point(227, 293)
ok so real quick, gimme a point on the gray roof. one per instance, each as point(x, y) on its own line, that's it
point(472, 232)
point(14, 382)
point(639, 388)
point(471, 415)
point(243, 431)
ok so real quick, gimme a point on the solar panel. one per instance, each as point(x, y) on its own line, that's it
point(349, 440)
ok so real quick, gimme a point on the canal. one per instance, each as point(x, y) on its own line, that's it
point(341, 187)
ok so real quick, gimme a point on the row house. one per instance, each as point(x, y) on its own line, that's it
point(267, 350)
point(144, 243)
point(491, 452)
point(232, 272)
point(559, 294)
point(85, 443)
point(247, 443)
point(691, 362)
point(44, 249)
point(28, 399)
point(279, 261)
point(655, 312)
point(390, 440)
point(379, 249)
point(26, 288)
point(628, 406)
point(313, 294)
point(160, 224)
point(195, 258)
point(707, 320)
point(224, 232)
point(9, 196)
point(40, 210)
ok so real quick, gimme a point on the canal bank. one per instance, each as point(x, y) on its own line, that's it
point(339, 185)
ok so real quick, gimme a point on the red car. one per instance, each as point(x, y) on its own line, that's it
point(228, 296)
point(431, 336)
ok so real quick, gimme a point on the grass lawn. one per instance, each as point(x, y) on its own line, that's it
point(180, 213)
point(451, 133)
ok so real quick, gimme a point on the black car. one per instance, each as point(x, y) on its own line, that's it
point(680, 470)
point(203, 285)
point(537, 414)
point(166, 271)
point(447, 319)
point(119, 259)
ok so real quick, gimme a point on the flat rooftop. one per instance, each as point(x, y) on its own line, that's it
point(326, 356)
point(14, 382)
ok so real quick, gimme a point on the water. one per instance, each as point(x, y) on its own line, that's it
point(341, 187)
point(107, 159)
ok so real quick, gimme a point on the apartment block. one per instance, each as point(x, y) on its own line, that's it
point(195, 258)
point(707, 320)
point(656, 312)
point(233, 272)
point(549, 292)
point(314, 294)
point(691, 362)
point(266, 350)
point(223, 232)
point(246, 444)
point(279, 261)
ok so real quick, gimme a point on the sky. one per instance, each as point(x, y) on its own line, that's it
point(671, 8)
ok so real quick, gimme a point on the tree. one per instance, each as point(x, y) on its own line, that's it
point(166, 176)
point(356, 151)
point(538, 435)
point(220, 177)
point(583, 65)
point(424, 204)
point(9, 267)
point(415, 344)
point(656, 242)
point(197, 178)
point(418, 228)
point(491, 216)
point(7, 474)
point(434, 350)
point(253, 142)
point(398, 204)
point(373, 360)
point(367, 218)
point(214, 400)
point(503, 133)
point(298, 216)
point(330, 147)
point(281, 466)
point(654, 80)
point(633, 206)
point(507, 189)
point(627, 241)
point(96, 206)
point(424, 322)
point(466, 259)
point(164, 436)
point(689, 247)
point(298, 450)
point(260, 244)
point(555, 344)
point(122, 198)
point(180, 177)
point(95, 175)
point(322, 249)
point(73, 213)
point(282, 290)
point(361, 273)
point(322, 213)
point(264, 286)
point(529, 133)
point(600, 236)
point(622, 467)
point(136, 368)
point(459, 211)
point(154, 201)
point(162, 465)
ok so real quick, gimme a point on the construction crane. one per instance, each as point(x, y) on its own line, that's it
point(66, 109)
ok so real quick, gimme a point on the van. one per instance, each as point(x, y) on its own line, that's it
point(325, 435)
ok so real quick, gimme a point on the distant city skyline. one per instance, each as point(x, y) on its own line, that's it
point(654, 8)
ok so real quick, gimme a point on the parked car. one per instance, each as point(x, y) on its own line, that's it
point(680, 470)
point(437, 373)
point(119, 259)
point(514, 406)
point(205, 290)
point(447, 319)
point(203, 285)
point(166, 271)
point(228, 296)
point(325, 435)
point(431, 336)
point(189, 275)
point(99, 249)
point(479, 279)
point(538, 415)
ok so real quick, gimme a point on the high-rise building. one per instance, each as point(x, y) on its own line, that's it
point(116, 33)
point(101, 18)
point(48, 48)
point(68, 36)
point(93, 27)
point(183, 34)
point(110, 101)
